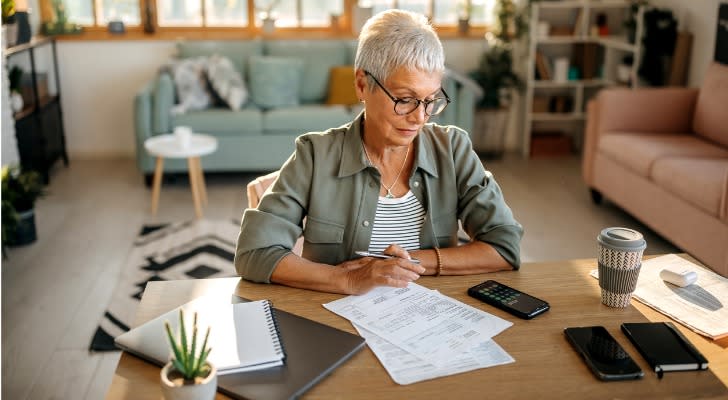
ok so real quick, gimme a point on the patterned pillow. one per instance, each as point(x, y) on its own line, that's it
point(191, 84)
point(226, 81)
point(275, 81)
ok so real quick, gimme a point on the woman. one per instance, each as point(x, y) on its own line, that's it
point(388, 181)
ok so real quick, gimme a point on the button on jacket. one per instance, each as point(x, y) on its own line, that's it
point(328, 181)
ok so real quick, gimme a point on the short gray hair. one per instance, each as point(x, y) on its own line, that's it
point(397, 38)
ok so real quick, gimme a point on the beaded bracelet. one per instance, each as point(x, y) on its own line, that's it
point(438, 271)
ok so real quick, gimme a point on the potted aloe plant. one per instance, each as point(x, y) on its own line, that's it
point(188, 375)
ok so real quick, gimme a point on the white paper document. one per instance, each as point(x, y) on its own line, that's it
point(702, 306)
point(421, 321)
point(406, 368)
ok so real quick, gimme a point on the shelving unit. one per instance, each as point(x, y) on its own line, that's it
point(570, 24)
point(39, 128)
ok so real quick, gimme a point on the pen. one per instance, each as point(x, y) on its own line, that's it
point(380, 255)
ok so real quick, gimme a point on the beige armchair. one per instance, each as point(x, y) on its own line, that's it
point(662, 155)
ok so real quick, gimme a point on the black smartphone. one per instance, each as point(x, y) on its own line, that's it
point(603, 354)
point(508, 299)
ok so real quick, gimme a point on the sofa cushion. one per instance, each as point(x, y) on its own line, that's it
point(638, 151)
point(318, 56)
point(306, 118)
point(702, 182)
point(238, 51)
point(341, 86)
point(223, 121)
point(711, 119)
point(275, 81)
point(226, 81)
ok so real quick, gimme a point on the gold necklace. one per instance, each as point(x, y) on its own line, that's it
point(389, 194)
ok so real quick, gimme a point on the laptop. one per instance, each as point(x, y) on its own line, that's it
point(313, 350)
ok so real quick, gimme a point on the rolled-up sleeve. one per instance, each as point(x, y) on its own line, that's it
point(482, 208)
point(269, 232)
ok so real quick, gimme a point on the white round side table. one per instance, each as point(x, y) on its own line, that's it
point(169, 146)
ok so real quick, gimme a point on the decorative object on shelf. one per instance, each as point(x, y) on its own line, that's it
point(495, 74)
point(15, 77)
point(20, 190)
point(60, 24)
point(10, 26)
point(188, 375)
point(602, 26)
point(464, 9)
point(116, 27)
point(149, 20)
point(22, 19)
point(267, 16)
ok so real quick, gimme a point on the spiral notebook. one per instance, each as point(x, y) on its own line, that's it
point(243, 336)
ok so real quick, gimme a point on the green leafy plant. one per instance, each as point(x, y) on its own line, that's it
point(187, 360)
point(20, 190)
point(8, 13)
point(495, 73)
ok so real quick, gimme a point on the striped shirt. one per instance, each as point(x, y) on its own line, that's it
point(399, 221)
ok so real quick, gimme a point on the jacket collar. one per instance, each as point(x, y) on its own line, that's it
point(354, 160)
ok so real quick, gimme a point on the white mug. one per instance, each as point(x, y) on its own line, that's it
point(183, 135)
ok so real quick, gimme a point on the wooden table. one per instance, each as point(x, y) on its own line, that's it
point(546, 366)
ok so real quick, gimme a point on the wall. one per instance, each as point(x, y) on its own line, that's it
point(700, 18)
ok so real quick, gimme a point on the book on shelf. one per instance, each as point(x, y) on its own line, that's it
point(243, 336)
point(664, 347)
point(543, 67)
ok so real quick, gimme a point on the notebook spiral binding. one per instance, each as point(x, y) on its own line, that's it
point(270, 316)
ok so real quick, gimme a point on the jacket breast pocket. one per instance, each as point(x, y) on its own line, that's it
point(323, 241)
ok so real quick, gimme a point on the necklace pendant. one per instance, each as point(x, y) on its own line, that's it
point(389, 195)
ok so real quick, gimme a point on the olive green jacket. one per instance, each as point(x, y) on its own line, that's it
point(328, 181)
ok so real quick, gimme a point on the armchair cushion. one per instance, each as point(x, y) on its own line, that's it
point(275, 81)
point(711, 119)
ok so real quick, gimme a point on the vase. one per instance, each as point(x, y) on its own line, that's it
point(269, 25)
point(24, 233)
point(11, 34)
point(175, 389)
point(24, 32)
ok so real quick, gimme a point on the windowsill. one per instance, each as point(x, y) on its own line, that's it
point(136, 33)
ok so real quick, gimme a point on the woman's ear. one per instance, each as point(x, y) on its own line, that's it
point(360, 84)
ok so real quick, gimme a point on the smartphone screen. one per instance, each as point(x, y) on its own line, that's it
point(603, 354)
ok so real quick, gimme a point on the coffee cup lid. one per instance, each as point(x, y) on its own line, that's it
point(622, 239)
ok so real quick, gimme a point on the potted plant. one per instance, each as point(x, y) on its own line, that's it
point(20, 190)
point(266, 14)
point(10, 27)
point(188, 375)
point(496, 76)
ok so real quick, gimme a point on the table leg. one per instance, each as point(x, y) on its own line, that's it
point(157, 184)
point(203, 185)
point(194, 186)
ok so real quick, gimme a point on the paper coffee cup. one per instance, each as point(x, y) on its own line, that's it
point(620, 260)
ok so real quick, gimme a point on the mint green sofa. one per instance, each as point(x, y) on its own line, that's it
point(254, 139)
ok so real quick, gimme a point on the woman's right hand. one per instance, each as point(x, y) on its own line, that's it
point(364, 274)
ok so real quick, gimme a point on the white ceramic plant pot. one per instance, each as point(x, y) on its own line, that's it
point(175, 390)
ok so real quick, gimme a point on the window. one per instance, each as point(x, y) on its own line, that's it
point(249, 14)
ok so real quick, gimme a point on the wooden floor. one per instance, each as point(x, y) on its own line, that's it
point(55, 290)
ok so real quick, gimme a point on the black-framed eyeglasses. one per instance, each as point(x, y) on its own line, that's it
point(406, 105)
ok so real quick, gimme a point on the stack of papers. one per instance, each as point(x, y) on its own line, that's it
point(419, 334)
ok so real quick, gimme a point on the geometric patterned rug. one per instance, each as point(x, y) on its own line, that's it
point(187, 250)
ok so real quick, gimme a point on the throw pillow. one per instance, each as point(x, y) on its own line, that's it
point(275, 81)
point(191, 84)
point(341, 86)
point(226, 81)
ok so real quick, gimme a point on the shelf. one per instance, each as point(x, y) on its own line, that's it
point(34, 42)
point(600, 4)
point(578, 116)
point(617, 42)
